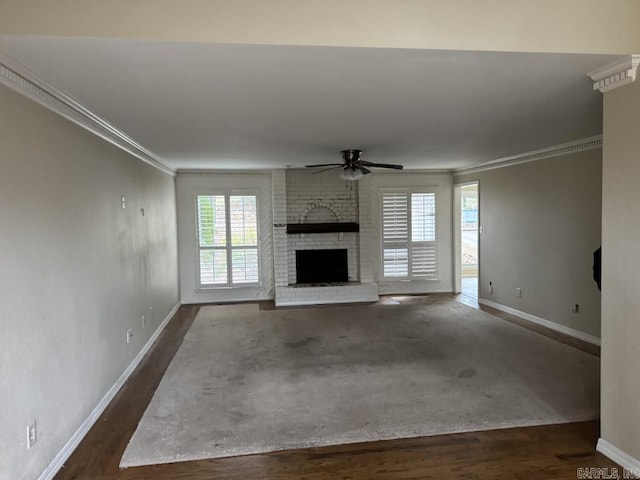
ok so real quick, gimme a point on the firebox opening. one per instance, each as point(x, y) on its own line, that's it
point(322, 266)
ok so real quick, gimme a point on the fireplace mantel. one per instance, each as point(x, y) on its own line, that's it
point(322, 227)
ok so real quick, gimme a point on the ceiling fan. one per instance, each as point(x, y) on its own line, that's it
point(353, 166)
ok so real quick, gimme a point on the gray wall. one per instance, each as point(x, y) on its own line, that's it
point(76, 271)
point(621, 270)
point(541, 223)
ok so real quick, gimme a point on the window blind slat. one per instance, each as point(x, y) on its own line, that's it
point(395, 215)
point(213, 267)
point(244, 265)
point(396, 262)
point(423, 260)
point(423, 217)
point(244, 221)
point(212, 223)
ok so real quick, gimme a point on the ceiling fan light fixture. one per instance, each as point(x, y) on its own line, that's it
point(351, 174)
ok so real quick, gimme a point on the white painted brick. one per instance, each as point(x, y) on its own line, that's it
point(295, 192)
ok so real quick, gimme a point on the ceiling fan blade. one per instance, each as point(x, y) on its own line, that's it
point(326, 169)
point(364, 170)
point(381, 165)
point(324, 165)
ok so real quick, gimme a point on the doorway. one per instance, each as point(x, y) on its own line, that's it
point(467, 243)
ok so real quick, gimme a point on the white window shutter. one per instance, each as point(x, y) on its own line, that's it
point(395, 234)
point(423, 261)
point(395, 217)
point(409, 235)
point(212, 239)
point(228, 239)
point(244, 238)
point(423, 235)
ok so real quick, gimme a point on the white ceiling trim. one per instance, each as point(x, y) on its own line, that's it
point(221, 173)
point(584, 144)
point(17, 77)
point(615, 74)
point(426, 173)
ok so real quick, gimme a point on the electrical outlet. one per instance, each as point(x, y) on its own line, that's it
point(32, 434)
point(129, 335)
point(123, 200)
point(518, 292)
point(576, 308)
point(490, 287)
point(142, 321)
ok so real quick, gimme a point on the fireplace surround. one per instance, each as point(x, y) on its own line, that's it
point(319, 213)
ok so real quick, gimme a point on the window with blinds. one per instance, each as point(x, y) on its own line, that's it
point(409, 235)
point(227, 240)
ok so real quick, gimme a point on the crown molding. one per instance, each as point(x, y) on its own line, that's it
point(616, 74)
point(424, 173)
point(582, 145)
point(20, 79)
point(220, 173)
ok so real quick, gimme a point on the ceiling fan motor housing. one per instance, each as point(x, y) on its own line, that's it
point(351, 157)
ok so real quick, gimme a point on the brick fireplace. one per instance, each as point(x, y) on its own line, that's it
point(335, 217)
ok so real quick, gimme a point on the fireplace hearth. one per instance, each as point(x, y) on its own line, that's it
point(321, 266)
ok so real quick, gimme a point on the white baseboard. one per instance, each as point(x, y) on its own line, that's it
point(62, 456)
point(541, 321)
point(621, 458)
point(197, 301)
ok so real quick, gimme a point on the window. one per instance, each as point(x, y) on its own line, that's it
point(227, 240)
point(409, 235)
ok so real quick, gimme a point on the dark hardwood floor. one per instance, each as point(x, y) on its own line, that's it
point(544, 452)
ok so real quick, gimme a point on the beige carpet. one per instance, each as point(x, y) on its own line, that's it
point(248, 381)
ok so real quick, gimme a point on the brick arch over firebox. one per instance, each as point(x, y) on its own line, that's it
point(319, 212)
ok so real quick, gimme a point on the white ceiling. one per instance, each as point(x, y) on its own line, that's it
point(257, 106)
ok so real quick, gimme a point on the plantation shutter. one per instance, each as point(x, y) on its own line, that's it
point(212, 239)
point(244, 238)
point(423, 235)
point(395, 234)
point(227, 239)
point(409, 235)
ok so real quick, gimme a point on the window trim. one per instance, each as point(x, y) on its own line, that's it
point(409, 191)
point(228, 248)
